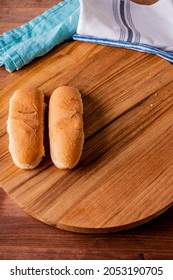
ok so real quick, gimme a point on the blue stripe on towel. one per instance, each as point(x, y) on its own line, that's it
point(122, 13)
point(133, 46)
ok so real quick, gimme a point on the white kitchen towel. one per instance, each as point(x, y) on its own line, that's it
point(123, 23)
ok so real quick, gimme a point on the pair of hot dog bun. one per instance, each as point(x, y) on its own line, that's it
point(25, 127)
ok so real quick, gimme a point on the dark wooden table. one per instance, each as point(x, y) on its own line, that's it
point(23, 237)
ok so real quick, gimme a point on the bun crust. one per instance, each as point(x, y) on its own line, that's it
point(66, 134)
point(25, 127)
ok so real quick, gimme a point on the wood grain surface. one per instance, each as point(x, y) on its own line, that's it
point(125, 175)
point(143, 242)
point(23, 237)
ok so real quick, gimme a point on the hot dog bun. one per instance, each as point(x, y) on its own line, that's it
point(66, 134)
point(25, 126)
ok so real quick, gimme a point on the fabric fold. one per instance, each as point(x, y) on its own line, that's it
point(125, 24)
point(35, 38)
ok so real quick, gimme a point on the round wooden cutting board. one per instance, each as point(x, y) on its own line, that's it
point(125, 175)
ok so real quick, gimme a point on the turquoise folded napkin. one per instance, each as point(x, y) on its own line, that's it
point(35, 38)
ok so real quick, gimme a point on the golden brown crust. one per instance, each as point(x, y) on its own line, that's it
point(26, 128)
point(66, 127)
